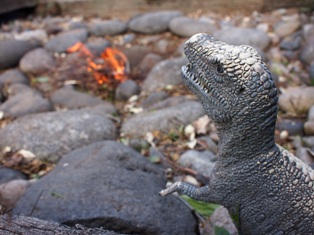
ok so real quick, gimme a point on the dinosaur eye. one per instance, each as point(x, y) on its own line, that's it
point(241, 90)
point(220, 68)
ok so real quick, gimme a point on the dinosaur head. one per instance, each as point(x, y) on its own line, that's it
point(232, 82)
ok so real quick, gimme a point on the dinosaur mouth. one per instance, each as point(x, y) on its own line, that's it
point(188, 75)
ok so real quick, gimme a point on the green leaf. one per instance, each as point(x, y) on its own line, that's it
point(154, 159)
point(57, 195)
point(220, 231)
point(203, 208)
point(173, 135)
point(42, 79)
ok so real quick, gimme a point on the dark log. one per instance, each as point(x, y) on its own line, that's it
point(32, 226)
point(13, 5)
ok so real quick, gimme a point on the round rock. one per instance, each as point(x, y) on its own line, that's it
point(291, 43)
point(154, 98)
point(12, 191)
point(168, 102)
point(234, 36)
point(152, 22)
point(97, 47)
point(8, 174)
point(107, 27)
point(64, 40)
point(309, 127)
point(11, 51)
point(13, 76)
point(221, 218)
point(126, 89)
point(187, 27)
point(69, 98)
point(297, 100)
point(202, 162)
point(108, 185)
point(310, 115)
point(307, 51)
point(286, 27)
point(50, 135)
point(147, 63)
point(135, 54)
point(165, 119)
point(293, 127)
point(37, 61)
point(167, 72)
point(24, 100)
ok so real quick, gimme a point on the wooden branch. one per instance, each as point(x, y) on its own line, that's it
point(32, 226)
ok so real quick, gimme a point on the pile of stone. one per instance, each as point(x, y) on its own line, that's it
point(98, 180)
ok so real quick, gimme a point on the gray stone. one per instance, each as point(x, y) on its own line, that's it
point(37, 34)
point(108, 185)
point(208, 143)
point(128, 38)
point(1, 94)
point(165, 120)
point(221, 218)
point(297, 100)
point(37, 61)
point(162, 46)
point(12, 191)
point(291, 43)
point(167, 72)
point(24, 100)
point(200, 161)
point(292, 126)
point(77, 25)
point(135, 54)
point(107, 27)
point(97, 47)
point(311, 72)
point(13, 76)
point(168, 102)
point(69, 98)
point(154, 98)
point(286, 27)
point(126, 89)
point(138, 144)
point(310, 115)
point(235, 36)
point(152, 22)
point(304, 155)
point(147, 63)
point(65, 40)
point(307, 51)
point(187, 27)
point(308, 30)
point(11, 51)
point(8, 174)
point(309, 127)
point(50, 135)
point(302, 152)
point(308, 141)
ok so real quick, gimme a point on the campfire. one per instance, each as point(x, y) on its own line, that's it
point(112, 67)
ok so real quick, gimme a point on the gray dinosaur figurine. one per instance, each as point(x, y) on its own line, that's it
point(266, 189)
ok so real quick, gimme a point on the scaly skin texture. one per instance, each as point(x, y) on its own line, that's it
point(266, 189)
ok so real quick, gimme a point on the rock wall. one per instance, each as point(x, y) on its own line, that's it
point(129, 7)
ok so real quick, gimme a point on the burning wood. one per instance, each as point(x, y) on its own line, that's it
point(111, 67)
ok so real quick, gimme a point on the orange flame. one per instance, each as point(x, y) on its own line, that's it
point(115, 65)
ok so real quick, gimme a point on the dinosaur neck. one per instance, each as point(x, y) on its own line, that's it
point(247, 137)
